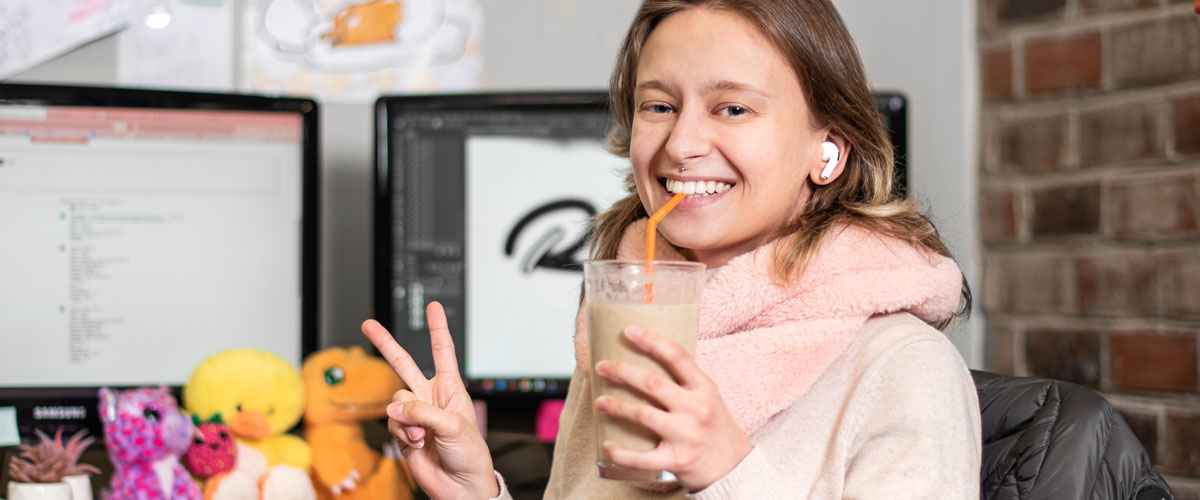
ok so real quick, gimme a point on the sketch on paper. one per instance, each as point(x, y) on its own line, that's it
point(35, 31)
point(359, 49)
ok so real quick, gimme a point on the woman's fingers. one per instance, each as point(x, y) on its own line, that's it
point(654, 419)
point(402, 363)
point(659, 458)
point(444, 361)
point(678, 361)
point(417, 413)
point(401, 433)
point(655, 385)
point(413, 434)
point(657, 421)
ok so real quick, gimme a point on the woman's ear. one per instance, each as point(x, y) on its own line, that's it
point(834, 151)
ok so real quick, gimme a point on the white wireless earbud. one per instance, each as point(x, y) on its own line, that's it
point(829, 153)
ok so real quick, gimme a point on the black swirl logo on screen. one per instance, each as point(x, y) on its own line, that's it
point(546, 251)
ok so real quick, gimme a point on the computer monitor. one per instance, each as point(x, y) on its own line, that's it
point(482, 203)
point(143, 231)
point(893, 108)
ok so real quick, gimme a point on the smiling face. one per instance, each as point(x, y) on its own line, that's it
point(717, 110)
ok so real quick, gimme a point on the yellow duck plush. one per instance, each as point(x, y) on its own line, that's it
point(344, 387)
point(259, 395)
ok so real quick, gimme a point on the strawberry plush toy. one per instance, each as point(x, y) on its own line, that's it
point(213, 450)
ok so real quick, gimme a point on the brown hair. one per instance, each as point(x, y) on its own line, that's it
point(812, 38)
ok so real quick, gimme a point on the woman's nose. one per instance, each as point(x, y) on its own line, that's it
point(689, 137)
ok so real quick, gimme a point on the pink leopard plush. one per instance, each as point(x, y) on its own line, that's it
point(145, 434)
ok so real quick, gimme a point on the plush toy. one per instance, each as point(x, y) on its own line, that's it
point(259, 396)
point(213, 450)
point(145, 435)
point(345, 387)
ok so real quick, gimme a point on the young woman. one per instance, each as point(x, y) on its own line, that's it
point(817, 373)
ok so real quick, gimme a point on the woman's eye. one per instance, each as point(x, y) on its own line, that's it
point(659, 108)
point(734, 111)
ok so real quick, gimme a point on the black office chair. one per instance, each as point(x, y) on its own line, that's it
point(1048, 439)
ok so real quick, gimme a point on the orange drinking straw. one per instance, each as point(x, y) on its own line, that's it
point(651, 236)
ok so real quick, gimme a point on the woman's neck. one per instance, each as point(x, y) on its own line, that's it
point(715, 258)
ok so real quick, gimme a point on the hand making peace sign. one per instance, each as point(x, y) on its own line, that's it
point(434, 419)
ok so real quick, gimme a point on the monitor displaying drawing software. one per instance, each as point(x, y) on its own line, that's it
point(144, 231)
point(482, 203)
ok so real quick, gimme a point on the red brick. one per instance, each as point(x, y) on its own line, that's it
point(1181, 283)
point(1002, 351)
point(1156, 51)
point(1183, 454)
point(997, 73)
point(1066, 211)
point(1187, 124)
point(1073, 356)
point(1120, 133)
point(1025, 284)
point(1153, 362)
point(1117, 284)
point(1032, 144)
point(998, 215)
point(1097, 6)
point(1016, 11)
point(1145, 427)
point(1053, 64)
point(1149, 207)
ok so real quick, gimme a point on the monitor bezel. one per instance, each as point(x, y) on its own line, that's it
point(385, 106)
point(36, 94)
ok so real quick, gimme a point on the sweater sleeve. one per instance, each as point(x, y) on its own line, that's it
point(755, 477)
point(504, 493)
point(919, 433)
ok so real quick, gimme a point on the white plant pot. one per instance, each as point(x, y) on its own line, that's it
point(38, 491)
point(81, 486)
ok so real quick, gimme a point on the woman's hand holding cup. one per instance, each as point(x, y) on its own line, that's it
point(701, 442)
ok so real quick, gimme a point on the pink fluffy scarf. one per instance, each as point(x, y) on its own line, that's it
point(764, 344)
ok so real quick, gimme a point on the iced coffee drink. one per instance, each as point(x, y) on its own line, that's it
point(616, 299)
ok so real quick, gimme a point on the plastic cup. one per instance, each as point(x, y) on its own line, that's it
point(615, 293)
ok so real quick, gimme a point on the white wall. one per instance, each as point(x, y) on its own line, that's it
point(926, 49)
point(923, 48)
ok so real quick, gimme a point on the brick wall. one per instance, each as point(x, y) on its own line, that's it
point(1090, 207)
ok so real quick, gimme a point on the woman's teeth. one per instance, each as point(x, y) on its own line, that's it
point(696, 189)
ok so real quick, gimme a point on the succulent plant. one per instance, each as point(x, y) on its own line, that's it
point(51, 460)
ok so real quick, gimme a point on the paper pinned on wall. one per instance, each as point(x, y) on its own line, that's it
point(181, 44)
point(355, 50)
point(8, 427)
point(35, 31)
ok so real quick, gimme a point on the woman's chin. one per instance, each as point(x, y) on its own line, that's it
point(687, 243)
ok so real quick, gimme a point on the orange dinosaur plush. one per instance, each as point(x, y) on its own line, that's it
point(345, 386)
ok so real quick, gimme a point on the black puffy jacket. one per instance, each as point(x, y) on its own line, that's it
point(1046, 439)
